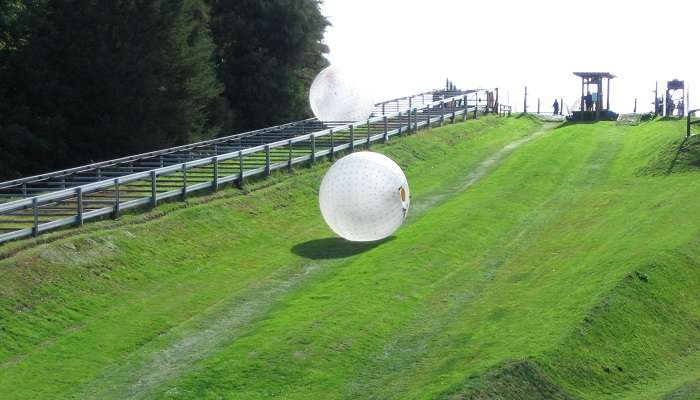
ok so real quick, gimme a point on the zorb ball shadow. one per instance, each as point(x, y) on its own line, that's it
point(337, 95)
point(364, 197)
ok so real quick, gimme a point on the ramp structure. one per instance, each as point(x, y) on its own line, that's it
point(37, 204)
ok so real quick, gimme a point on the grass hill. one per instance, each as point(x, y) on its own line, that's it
point(538, 261)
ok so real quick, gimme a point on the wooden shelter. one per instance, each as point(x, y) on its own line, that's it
point(592, 103)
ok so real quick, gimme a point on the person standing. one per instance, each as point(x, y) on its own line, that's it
point(556, 107)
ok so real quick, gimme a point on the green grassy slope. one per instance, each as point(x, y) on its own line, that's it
point(567, 267)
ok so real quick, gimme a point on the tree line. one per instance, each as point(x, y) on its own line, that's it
point(89, 80)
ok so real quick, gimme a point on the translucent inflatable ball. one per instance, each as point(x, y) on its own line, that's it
point(364, 197)
point(338, 95)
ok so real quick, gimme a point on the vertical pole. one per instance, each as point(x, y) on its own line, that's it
point(607, 96)
point(368, 135)
point(561, 106)
point(635, 105)
point(117, 199)
point(267, 160)
point(583, 97)
point(454, 112)
point(154, 192)
point(35, 210)
point(352, 137)
point(313, 148)
point(386, 129)
point(476, 103)
point(184, 181)
point(400, 122)
point(525, 102)
point(464, 99)
point(429, 110)
point(240, 169)
point(442, 111)
point(290, 155)
point(80, 206)
point(24, 190)
point(332, 145)
point(538, 105)
point(215, 181)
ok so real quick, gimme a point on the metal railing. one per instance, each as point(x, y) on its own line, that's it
point(692, 120)
point(73, 196)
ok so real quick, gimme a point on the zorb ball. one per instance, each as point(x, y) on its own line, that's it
point(337, 95)
point(364, 197)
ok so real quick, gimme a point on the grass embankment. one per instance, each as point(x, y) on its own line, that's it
point(570, 269)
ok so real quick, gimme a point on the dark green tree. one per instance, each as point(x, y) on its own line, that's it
point(92, 79)
point(268, 52)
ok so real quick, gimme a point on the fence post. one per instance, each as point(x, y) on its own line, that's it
point(525, 102)
point(35, 228)
point(476, 104)
point(313, 148)
point(400, 122)
point(386, 129)
point(561, 106)
point(369, 136)
point(215, 182)
point(429, 109)
point(154, 192)
point(454, 112)
point(24, 190)
point(442, 112)
point(687, 135)
point(267, 160)
point(332, 149)
point(240, 169)
point(80, 206)
point(352, 138)
point(184, 181)
point(117, 199)
point(464, 99)
point(290, 154)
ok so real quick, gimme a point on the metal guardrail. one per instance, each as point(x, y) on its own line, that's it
point(146, 179)
point(692, 120)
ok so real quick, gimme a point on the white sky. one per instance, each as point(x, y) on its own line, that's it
point(406, 46)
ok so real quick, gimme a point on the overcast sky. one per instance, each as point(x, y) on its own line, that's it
point(405, 46)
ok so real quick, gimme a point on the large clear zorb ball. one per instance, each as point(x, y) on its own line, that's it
point(338, 95)
point(364, 197)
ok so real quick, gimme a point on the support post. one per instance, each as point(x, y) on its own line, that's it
point(80, 206)
point(386, 129)
point(429, 109)
point(538, 106)
point(561, 106)
point(154, 192)
point(184, 181)
point(331, 154)
point(267, 160)
point(369, 139)
point(464, 99)
point(35, 212)
point(525, 102)
point(607, 97)
point(290, 155)
point(352, 138)
point(313, 148)
point(400, 123)
point(442, 112)
point(240, 169)
point(117, 200)
point(476, 104)
point(215, 181)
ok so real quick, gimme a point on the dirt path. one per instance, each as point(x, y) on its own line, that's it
point(484, 168)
